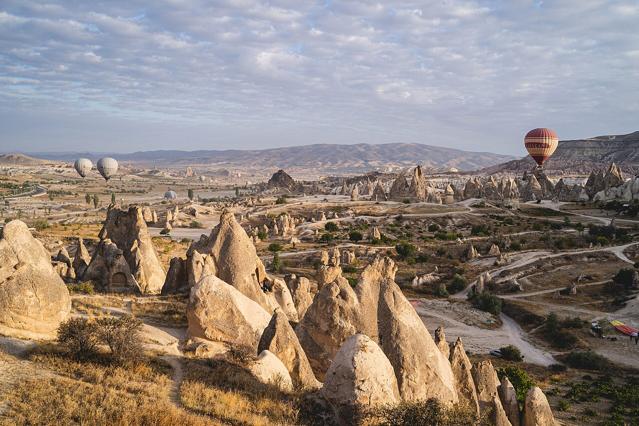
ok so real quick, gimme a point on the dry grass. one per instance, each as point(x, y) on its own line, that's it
point(166, 310)
point(227, 392)
point(93, 393)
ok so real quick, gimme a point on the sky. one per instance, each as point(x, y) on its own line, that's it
point(130, 75)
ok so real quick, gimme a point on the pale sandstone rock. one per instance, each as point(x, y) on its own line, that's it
point(508, 398)
point(440, 341)
point(33, 298)
point(218, 312)
point(81, 259)
point(462, 371)
point(270, 370)
point(360, 376)
point(537, 411)
point(487, 384)
point(300, 288)
point(280, 338)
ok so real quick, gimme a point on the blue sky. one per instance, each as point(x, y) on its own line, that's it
point(128, 75)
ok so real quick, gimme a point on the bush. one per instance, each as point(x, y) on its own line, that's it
point(626, 278)
point(355, 236)
point(349, 269)
point(79, 337)
point(587, 360)
point(511, 353)
point(85, 287)
point(122, 336)
point(331, 227)
point(40, 224)
point(262, 235)
point(457, 284)
point(487, 302)
point(405, 250)
point(280, 200)
point(196, 225)
point(276, 264)
point(433, 227)
point(554, 332)
point(327, 237)
point(274, 247)
point(520, 380)
point(430, 412)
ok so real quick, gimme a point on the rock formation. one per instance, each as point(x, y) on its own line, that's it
point(377, 308)
point(471, 253)
point(110, 270)
point(440, 341)
point(281, 180)
point(462, 372)
point(218, 312)
point(33, 298)
point(417, 189)
point(283, 298)
point(399, 188)
point(378, 193)
point(487, 384)
point(494, 250)
point(127, 230)
point(508, 397)
point(360, 376)
point(537, 412)
point(300, 288)
point(81, 259)
point(280, 338)
point(234, 260)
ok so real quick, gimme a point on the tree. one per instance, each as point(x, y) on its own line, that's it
point(355, 236)
point(237, 192)
point(626, 277)
point(87, 198)
point(405, 250)
point(511, 353)
point(276, 264)
point(520, 380)
point(113, 198)
point(274, 247)
point(96, 201)
point(122, 336)
point(331, 227)
point(189, 194)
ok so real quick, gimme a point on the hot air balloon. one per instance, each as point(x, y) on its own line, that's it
point(83, 166)
point(170, 195)
point(107, 167)
point(540, 144)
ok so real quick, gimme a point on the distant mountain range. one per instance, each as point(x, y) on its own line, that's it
point(325, 157)
point(583, 156)
point(19, 160)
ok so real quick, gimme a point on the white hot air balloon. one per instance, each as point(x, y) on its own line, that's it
point(170, 195)
point(107, 167)
point(83, 166)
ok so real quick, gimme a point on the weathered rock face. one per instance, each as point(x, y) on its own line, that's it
point(532, 189)
point(378, 309)
point(218, 312)
point(234, 260)
point(471, 253)
point(284, 299)
point(508, 398)
point(537, 411)
point(355, 193)
point(280, 338)
point(595, 183)
point(378, 193)
point(462, 371)
point(473, 188)
point(110, 270)
point(282, 180)
point(128, 231)
point(270, 370)
point(177, 278)
point(33, 298)
point(417, 188)
point(487, 384)
point(440, 341)
point(360, 376)
point(399, 188)
point(613, 176)
point(494, 250)
point(300, 288)
point(81, 259)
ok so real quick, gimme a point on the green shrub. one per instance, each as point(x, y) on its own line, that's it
point(262, 235)
point(520, 380)
point(40, 224)
point(331, 227)
point(487, 302)
point(587, 360)
point(355, 236)
point(349, 269)
point(280, 200)
point(405, 250)
point(276, 263)
point(85, 287)
point(326, 237)
point(457, 284)
point(274, 247)
point(122, 336)
point(433, 227)
point(511, 353)
point(196, 225)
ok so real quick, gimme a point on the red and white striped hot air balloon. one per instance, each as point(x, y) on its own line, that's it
point(540, 144)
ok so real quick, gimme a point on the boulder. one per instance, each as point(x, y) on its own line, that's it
point(280, 338)
point(219, 312)
point(270, 370)
point(128, 231)
point(33, 297)
point(359, 378)
point(508, 397)
point(462, 371)
point(537, 411)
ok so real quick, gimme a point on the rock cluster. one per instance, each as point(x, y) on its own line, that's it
point(282, 180)
point(125, 258)
point(33, 297)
